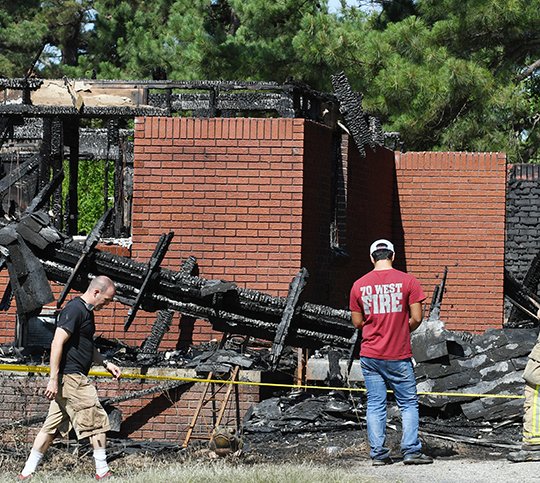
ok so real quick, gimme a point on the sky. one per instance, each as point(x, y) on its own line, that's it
point(334, 5)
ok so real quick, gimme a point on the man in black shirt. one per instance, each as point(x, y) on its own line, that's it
point(73, 398)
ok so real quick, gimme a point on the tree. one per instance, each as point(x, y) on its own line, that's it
point(447, 74)
point(141, 39)
point(17, 48)
point(256, 40)
point(455, 76)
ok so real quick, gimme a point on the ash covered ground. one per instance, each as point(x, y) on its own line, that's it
point(306, 430)
point(325, 427)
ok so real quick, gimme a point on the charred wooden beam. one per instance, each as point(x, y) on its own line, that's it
point(71, 135)
point(151, 343)
point(88, 246)
point(45, 193)
point(15, 175)
point(5, 303)
point(521, 297)
point(350, 105)
point(238, 310)
point(57, 165)
point(84, 112)
point(295, 290)
point(530, 284)
point(160, 388)
point(32, 83)
point(438, 294)
point(163, 320)
point(153, 267)
point(354, 351)
point(6, 129)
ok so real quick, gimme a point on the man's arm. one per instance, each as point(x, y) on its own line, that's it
point(61, 336)
point(112, 368)
point(357, 319)
point(415, 311)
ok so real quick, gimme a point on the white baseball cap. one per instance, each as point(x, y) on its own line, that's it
point(381, 244)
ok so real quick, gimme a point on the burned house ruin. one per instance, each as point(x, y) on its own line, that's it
point(226, 196)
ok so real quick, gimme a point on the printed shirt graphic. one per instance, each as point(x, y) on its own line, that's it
point(383, 297)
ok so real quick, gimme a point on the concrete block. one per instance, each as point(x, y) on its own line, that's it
point(317, 370)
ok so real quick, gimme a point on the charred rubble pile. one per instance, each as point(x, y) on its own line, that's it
point(206, 357)
point(305, 412)
point(35, 253)
point(453, 370)
point(490, 363)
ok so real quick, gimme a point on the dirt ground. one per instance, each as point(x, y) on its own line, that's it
point(454, 462)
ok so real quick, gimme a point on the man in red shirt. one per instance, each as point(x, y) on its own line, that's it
point(386, 304)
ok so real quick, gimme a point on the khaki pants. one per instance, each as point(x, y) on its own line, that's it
point(531, 416)
point(76, 404)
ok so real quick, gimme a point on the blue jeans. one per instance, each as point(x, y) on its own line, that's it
point(380, 375)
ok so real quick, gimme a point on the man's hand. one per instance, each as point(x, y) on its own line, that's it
point(113, 369)
point(52, 389)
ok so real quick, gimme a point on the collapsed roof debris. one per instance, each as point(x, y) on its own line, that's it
point(35, 250)
point(491, 363)
point(230, 309)
point(473, 365)
point(300, 412)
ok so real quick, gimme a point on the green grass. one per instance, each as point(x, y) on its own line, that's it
point(207, 471)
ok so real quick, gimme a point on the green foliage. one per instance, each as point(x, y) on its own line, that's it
point(17, 48)
point(448, 77)
point(91, 189)
point(91, 192)
point(447, 74)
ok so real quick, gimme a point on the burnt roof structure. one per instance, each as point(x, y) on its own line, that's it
point(51, 117)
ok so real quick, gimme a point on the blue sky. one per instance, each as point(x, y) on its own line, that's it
point(334, 5)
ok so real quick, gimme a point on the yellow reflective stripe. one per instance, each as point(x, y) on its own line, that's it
point(535, 413)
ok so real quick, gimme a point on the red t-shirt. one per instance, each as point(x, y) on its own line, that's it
point(383, 297)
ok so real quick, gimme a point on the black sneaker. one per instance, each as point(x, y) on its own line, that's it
point(383, 462)
point(417, 459)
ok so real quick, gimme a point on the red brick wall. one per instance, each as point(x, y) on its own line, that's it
point(453, 214)
point(160, 416)
point(251, 199)
point(7, 319)
point(231, 189)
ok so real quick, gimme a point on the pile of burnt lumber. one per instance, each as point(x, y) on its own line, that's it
point(472, 365)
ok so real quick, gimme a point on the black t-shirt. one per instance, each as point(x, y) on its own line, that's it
point(78, 352)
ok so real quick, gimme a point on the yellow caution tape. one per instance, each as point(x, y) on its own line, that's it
point(156, 377)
